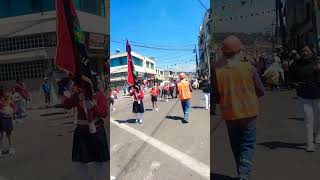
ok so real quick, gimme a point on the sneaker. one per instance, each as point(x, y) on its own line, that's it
point(157, 109)
point(140, 121)
point(311, 148)
point(167, 100)
point(137, 120)
point(12, 151)
point(185, 121)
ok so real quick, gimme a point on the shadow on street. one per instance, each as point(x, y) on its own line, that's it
point(126, 121)
point(52, 114)
point(175, 118)
point(197, 107)
point(221, 177)
point(297, 119)
point(277, 145)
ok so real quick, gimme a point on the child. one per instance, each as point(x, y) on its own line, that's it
point(6, 116)
point(154, 97)
point(138, 107)
point(89, 139)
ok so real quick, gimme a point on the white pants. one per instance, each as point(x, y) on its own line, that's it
point(83, 171)
point(207, 98)
point(139, 115)
point(311, 108)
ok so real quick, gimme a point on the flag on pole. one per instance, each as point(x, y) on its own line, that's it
point(132, 74)
point(71, 54)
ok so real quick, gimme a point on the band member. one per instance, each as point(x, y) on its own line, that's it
point(6, 116)
point(138, 97)
point(89, 140)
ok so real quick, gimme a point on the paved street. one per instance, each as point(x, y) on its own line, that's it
point(280, 153)
point(43, 144)
point(161, 147)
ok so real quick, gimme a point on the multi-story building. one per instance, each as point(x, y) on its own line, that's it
point(204, 44)
point(28, 37)
point(302, 22)
point(159, 75)
point(170, 75)
point(144, 66)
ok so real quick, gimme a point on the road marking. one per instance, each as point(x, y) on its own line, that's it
point(193, 164)
point(154, 166)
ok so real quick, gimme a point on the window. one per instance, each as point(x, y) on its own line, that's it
point(25, 70)
point(120, 61)
point(9, 8)
point(137, 62)
point(27, 42)
point(96, 7)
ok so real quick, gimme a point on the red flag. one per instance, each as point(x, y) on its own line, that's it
point(132, 74)
point(65, 54)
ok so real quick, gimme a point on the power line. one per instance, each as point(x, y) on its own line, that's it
point(202, 4)
point(152, 47)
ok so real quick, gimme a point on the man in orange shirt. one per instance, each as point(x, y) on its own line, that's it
point(239, 87)
point(184, 89)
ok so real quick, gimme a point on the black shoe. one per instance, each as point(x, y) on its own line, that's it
point(184, 121)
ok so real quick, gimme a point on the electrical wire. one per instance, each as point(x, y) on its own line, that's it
point(152, 47)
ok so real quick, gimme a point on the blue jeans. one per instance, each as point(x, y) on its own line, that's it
point(185, 108)
point(242, 136)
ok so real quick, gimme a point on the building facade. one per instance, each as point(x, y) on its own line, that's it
point(144, 66)
point(159, 75)
point(204, 44)
point(28, 37)
point(302, 21)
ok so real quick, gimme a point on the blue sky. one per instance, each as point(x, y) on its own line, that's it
point(172, 24)
point(252, 24)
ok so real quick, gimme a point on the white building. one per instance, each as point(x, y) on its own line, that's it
point(170, 75)
point(28, 37)
point(159, 74)
point(204, 44)
point(144, 66)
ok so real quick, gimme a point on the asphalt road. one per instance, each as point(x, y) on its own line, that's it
point(162, 147)
point(280, 151)
point(43, 148)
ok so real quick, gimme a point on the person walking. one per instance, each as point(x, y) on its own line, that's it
point(21, 88)
point(89, 139)
point(171, 89)
point(185, 89)
point(6, 117)
point(166, 92)
point(46, 89)
point(206, 91)
point(239, 87)
point(154, 98)
point(306, 79)
point(138, 96)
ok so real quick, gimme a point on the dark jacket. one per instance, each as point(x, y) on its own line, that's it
point(306, 76)
point(205, 86)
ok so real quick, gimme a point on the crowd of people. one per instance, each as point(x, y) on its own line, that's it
point(162, 92)
point(239, 83)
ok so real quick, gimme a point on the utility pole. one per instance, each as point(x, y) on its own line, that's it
point(197, 64)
